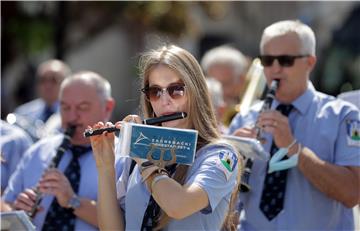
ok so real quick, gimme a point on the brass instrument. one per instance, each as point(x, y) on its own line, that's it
point(255, 86)
point(53, 164)
point(244, 185)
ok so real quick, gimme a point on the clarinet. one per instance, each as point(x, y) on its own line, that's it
point(53, 164)
point(270, 96)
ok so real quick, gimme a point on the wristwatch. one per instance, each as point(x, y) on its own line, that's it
point(74, 202)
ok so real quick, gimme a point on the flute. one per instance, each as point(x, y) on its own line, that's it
point(65, 144)
point(151, 121)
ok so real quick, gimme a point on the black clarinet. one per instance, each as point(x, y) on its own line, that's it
point(70, 131)
point(270, 96)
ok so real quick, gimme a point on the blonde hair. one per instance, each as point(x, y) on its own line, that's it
point(200, 111)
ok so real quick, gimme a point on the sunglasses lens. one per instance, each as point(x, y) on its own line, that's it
point(267, 60)
point(176, 91)
point(286, 60)
point(154, 93)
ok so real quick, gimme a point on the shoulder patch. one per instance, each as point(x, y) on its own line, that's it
point(353, 133)
point(226, 162)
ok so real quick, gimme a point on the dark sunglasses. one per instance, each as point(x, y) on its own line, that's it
point(154, 93)
point(284, 60)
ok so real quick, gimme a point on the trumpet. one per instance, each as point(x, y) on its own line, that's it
point(53, 164)
point(244, 184)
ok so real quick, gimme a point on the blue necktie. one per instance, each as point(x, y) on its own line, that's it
point(272, 198)
point(48, 111)
point(59, 218)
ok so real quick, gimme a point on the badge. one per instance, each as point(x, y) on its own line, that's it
point(227, 163)
point(353, 132)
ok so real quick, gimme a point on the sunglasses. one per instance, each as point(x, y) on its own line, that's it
point(284, 60)
point(154, 93)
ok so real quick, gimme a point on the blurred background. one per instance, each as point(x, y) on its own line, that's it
point(108, 37)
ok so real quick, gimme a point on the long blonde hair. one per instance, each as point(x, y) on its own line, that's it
point(200, 111)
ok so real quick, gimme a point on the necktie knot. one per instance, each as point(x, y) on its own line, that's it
point(285, 109)
point(78, 150)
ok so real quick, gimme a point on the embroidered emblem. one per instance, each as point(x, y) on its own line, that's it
point(227, 163)
point(353, 132)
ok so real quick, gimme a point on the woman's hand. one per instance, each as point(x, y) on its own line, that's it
point(103, 146)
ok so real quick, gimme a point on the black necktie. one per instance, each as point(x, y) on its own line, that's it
point(272, 198)
point(59, 218)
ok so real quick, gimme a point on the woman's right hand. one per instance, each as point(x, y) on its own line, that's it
point(103, 146)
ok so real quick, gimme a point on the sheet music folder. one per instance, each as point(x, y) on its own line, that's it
point(15, 220)
point(248, 147)
point(155, 143)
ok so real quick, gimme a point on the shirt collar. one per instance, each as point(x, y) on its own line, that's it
point(303, 102)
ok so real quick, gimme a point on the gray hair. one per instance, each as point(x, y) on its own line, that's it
point(102, 85)
point(225, 55)
point(54, 65)
point(305, 33)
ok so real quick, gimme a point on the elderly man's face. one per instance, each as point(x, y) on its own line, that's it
point(293, 79)
point(49, 85)
point(81, 105)
point(231, 83)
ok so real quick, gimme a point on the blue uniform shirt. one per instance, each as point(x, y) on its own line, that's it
point(34, 110)
point(321, 123)
point(34, 163)
point(13, 144)
point(207, 172)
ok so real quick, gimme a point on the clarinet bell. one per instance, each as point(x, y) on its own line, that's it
point(244, 187)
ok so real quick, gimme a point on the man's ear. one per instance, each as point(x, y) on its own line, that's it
point(109, 107)
point(311, 62)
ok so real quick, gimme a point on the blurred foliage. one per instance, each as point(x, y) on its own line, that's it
point(164, 16)
point(30, 34)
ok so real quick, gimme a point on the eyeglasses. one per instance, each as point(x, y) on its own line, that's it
point(48, 79)
point(284, 60)
point(175, 91)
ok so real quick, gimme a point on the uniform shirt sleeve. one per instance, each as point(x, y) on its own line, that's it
point(245, 119)
point(13, 149)
point(16, 184)
point(212, 177)
point(122, 169)
point(348, 141)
